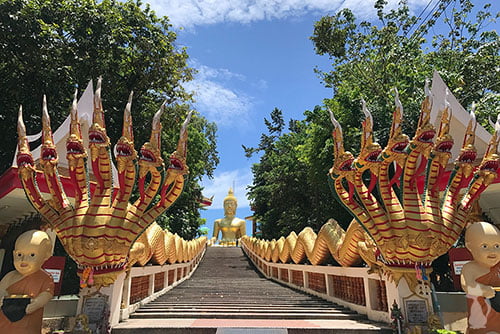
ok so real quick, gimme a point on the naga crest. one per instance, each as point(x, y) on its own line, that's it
point(410, 228)
point(98, 228)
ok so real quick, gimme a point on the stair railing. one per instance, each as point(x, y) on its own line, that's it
point(353, 287)
point(144, 284)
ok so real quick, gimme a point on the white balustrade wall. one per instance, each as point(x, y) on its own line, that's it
point(352, 287)
point(142, 285)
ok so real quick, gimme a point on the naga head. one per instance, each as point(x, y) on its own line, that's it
point(444, 141)
point(424, 136)
point(124, 148)
point(488, 168)
point(150, 153)
point(343, 160)
point(24, 158)
point(98, 139)
point(48, 151)
point(178, 166)
point(370, 150)
point(395, 149)
point(468, 152)
point(74, 144)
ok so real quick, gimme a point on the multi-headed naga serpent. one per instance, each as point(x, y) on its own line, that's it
point(396, 229)
point(98, 229)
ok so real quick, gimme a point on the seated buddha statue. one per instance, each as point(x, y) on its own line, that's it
point(231, 227)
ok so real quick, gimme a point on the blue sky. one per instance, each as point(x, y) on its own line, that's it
point(253, 56)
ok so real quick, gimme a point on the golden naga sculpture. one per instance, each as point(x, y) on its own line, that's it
point(316, 248)
point(158, 246)
point(98, 229)
point(399, 229)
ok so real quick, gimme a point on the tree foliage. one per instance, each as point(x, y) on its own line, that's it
point(399, 50)
point(51, 47)
point(370, 59)
point(289, 190)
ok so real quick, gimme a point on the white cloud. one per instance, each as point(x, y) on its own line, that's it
point(189, 13)
point(261, 84)
point(220, 184)
point(205, 72)
point(215, 100)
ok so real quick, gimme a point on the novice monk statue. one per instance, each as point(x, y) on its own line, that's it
point(32, 249)
point(231, 227)
point(481, 277)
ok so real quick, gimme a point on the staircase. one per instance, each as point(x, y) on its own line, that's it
point(227, 295)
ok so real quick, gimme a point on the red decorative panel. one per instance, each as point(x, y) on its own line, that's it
point(284, 275)
point(297, 278)
point(171, 274)
point(382, 297)
point(317, 282)
point(274, 272)
point(350, 289)
point(139, 289)
point(159, 281)
point(179, 273)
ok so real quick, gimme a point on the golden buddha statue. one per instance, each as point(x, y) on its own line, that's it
point(231, 227)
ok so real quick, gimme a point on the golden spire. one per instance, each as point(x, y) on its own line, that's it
point(367, 125)
point(127, 130)
point(470, 132)
point(338, 139)
point(182, 143)
point(155, 139)
point(495, 138)
point(425, 115)
point(444, 128)
point(98, 115)
point(397, 117)
point(75, 122)
point(22, 140)
point(46, 129)
point(21, 128)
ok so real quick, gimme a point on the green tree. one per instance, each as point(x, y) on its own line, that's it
point(183, 217)
point(51, 47)
point(399, 50)
point(369, 59)
point(290, 191)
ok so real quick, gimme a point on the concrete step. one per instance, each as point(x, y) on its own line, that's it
point(227, 295)
point(247, 326)
point(173, 314)
point(246, 306)
point(241, 297)
point(241, 309)
point(187, 291)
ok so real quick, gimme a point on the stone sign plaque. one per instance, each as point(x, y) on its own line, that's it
point(416, 311)
point(95, 308)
